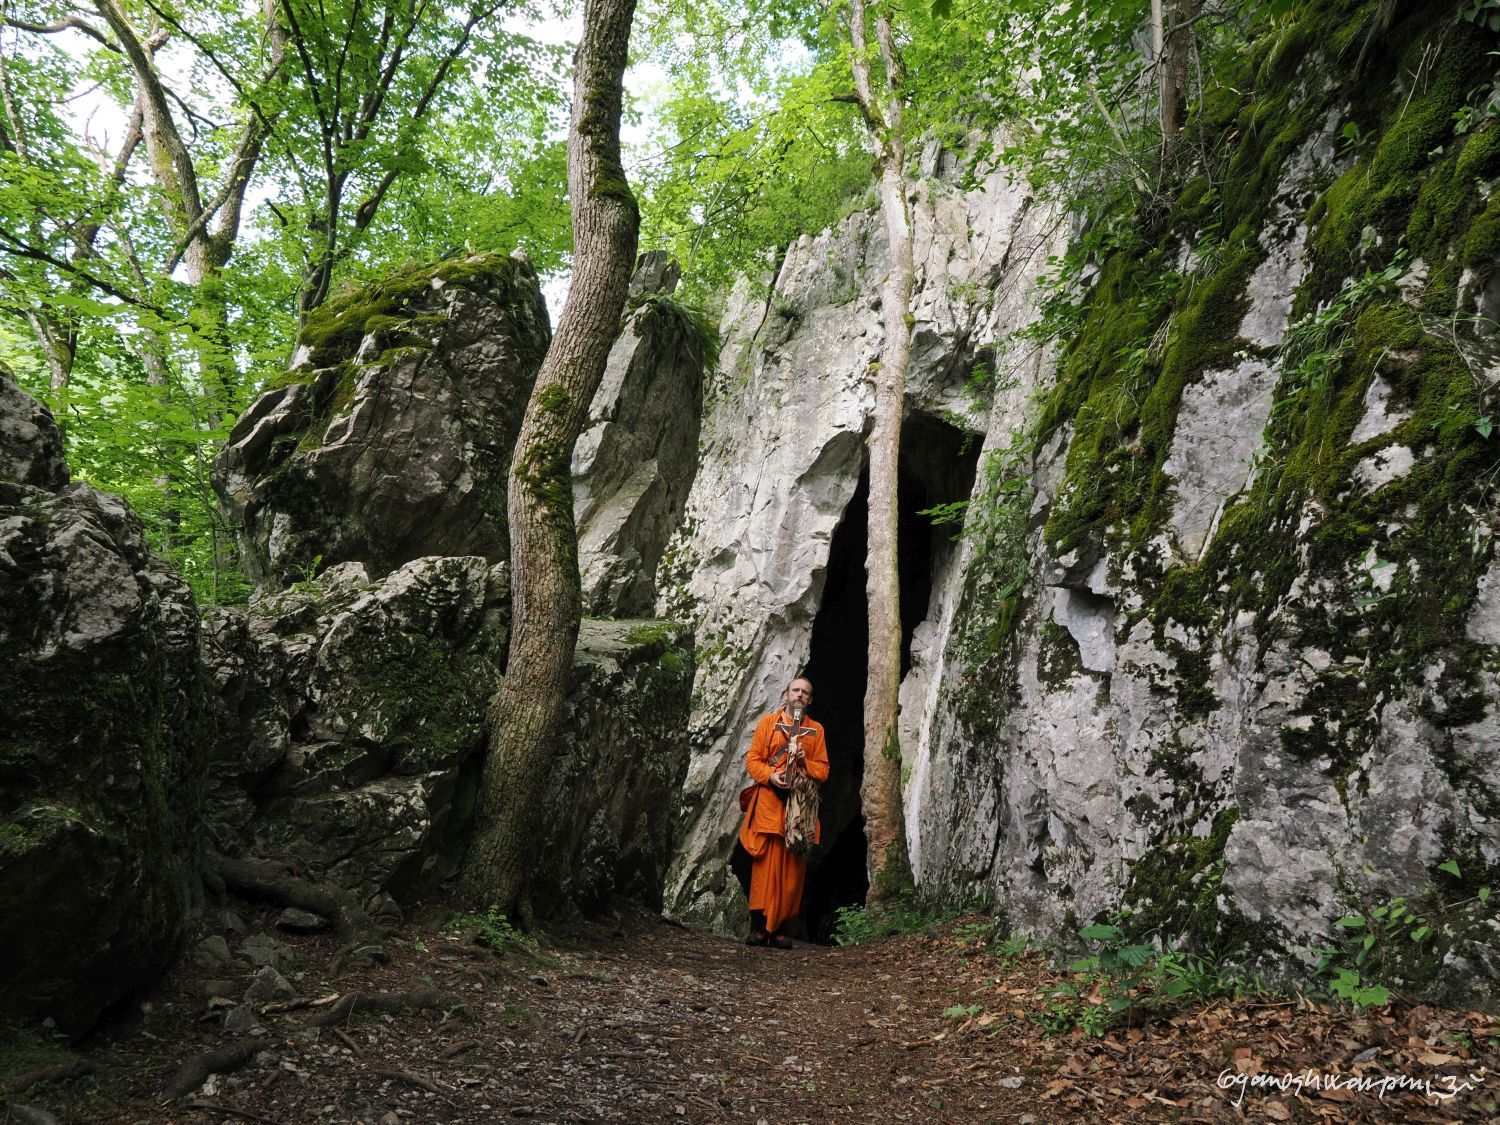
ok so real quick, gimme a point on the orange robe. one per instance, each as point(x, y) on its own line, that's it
point(776, 875)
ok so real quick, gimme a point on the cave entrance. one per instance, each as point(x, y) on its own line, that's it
point(937, 466)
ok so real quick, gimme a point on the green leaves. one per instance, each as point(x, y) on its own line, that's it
point(387, 131)
point(1483, 13)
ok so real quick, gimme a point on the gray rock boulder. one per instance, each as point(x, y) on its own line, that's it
point(31, 450)
point(353, 710)
point(357, 708)
point(391, 436)
point(634, 464)
point(102, 745)
point(611, 809)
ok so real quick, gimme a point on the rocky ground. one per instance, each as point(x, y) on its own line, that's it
point(642, 1020)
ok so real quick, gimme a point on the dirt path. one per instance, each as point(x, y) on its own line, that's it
point(650, 1022)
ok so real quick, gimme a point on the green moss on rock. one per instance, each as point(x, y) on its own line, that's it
point(334, 330)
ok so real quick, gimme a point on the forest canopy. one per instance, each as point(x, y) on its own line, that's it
point(181, 185)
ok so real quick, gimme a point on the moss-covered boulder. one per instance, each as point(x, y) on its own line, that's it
point(613, 796)
point(101, 743)
point(390, 437)
point(354, 711)
point(1243, 682)
point(354, 719)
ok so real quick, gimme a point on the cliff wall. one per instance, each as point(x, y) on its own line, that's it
point(1219, 646)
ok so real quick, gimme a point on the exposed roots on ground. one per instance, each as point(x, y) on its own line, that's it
point(639, 1021)
point(388, 1003)
point(195, 1070)
point(263, 881)
point(77, 1068)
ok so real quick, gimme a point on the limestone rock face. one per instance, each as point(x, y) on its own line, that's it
point(787, 410)
point(1240, 727)
point(102, 743)
point(634, 463)
point(392, 437)
point(1222, 644)
point(611, 809)
point(357, 708)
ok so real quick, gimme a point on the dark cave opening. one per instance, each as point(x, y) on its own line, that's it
point(938, 463)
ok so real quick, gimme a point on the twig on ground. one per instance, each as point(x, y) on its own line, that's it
point(414, 1079)
point(229, 1109)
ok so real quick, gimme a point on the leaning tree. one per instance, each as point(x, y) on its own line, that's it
point(526, 714)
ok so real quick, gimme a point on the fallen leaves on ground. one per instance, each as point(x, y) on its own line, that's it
point(644, 1021)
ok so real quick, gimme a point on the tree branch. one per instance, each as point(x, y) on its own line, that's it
point(864, 95)
point(76, 23)
point(171, 163)
point(33, 253)
point(229, 202)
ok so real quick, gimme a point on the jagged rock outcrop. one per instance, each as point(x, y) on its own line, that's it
point(356, 716)
point(31, 451)
point(782, 455)
point(612, 806)
point(633, 465)
point(102, 746)
point(392, 435)
point(1243, 684)
point(354, 710)
point(1221, 645)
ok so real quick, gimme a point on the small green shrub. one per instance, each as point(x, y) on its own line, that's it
point(857, 925)
point(493, 929)
point(1388, 947)
point(1125, 974)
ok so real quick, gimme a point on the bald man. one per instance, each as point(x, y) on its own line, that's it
point(776, 875)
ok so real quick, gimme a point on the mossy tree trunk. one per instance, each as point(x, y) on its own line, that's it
point(526, 714)
point(880, 791)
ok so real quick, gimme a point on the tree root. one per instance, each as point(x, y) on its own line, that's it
point(195, 1071)
point(265, 881)
point(62, 1071)
point(356, 1003)
point(230, 1110)
point(298, 1004)
point(414, 1080)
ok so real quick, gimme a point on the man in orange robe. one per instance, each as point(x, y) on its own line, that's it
point(776, 875)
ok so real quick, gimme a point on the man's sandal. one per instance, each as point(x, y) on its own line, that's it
point(757, 937)
point(781, 941)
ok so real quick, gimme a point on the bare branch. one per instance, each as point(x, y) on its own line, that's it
point(1114, 128)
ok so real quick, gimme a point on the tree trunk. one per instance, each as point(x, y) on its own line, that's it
point(1172, 38)
point(526, 714)
point(880, 791)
